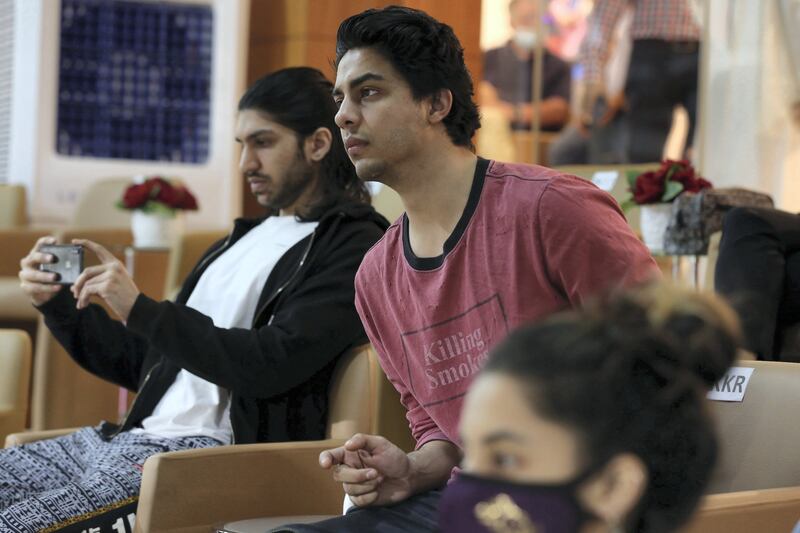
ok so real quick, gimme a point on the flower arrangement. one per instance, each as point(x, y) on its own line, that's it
point(665, 184)
point(157, 195)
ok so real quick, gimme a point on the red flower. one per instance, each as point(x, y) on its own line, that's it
point(649, 188)
point(701, 184)
point(160, 191)
point(691, 182)
point(167, 195)
point(188, 201)
point(685, 177)
point(662, 185)
point(136, 196)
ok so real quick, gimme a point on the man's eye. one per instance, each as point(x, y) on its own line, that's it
point(368, 91)
point(337, 101)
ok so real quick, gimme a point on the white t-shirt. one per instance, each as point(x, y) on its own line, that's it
point(227, 292)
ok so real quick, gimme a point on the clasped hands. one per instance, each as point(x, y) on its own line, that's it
point(109, 280)
point(372, 470)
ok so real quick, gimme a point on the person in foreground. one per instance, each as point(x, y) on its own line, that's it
point(246, 351)
point(595, 420)
point(483, 247)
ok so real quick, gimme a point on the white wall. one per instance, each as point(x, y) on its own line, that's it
point(495, 24)
point(55, 182)
point(6, 64)
point(747, 138)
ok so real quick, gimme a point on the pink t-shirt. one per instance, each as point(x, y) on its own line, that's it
point(531, 241)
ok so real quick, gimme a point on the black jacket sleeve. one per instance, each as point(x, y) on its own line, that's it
point(97, 342)
point(314, 323)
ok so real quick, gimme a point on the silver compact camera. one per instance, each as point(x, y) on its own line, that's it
point(67, 262)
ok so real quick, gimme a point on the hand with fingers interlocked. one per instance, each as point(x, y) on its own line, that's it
point(109, 280)
point(372, 470)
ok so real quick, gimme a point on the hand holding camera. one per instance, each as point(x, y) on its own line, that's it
point(40, 284)
point(109, 280)
point(48, 267)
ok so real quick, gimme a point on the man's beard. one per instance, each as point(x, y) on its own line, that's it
point(297, 180)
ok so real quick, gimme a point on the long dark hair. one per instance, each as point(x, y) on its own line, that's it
point(299, 98)
point(425, 52)
point(629, 373)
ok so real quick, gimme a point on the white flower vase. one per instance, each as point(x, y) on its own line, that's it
point(154, 230)
point(654, 221)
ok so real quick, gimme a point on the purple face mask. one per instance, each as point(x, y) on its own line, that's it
point(473, 504)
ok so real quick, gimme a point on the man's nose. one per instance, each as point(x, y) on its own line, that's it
point(347, 116)
point(247, 161)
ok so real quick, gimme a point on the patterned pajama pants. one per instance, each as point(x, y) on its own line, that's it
point(79, 482)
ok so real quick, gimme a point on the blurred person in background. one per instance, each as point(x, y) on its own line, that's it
point(507, 73)
point(568, 21)
point(604, 139)
point(662, 72)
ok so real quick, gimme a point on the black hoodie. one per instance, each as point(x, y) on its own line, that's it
point(277, 372)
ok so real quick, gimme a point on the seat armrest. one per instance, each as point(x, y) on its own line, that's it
point(195, 490)
point(17, 242)
point(747, 511)
point(17, 439)
point(11, 421)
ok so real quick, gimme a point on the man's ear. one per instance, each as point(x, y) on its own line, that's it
point(441, 102)
point(613, 493)
point(317, 145)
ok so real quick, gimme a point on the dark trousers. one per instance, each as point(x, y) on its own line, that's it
point(418, 514)
point(758, 270)
point(661, 75)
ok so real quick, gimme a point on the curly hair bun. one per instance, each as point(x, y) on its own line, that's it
point(700, 333)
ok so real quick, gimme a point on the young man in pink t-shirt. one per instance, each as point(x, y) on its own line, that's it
point(482, 248)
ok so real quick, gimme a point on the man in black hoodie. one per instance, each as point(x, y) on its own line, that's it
point(246, 351)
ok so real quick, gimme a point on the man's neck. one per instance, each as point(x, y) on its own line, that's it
point(434, 192)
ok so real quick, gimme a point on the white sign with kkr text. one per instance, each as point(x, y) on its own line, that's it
point(732, 386)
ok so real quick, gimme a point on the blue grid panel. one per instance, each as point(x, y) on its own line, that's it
point(135, 80)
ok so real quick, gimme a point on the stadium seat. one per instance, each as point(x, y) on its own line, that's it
point(15, 374)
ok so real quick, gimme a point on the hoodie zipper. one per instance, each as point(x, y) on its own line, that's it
point(138, 395)
point(214, 254)
point(205, 261)
point(272, 299)
point(286, 283)
point(255, 319)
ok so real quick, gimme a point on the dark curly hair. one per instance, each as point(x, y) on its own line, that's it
point(299, 98)
point(629, 373)
point(425, 52)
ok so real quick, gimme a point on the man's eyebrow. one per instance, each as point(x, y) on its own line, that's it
point(355, 82)
point(254, 134)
